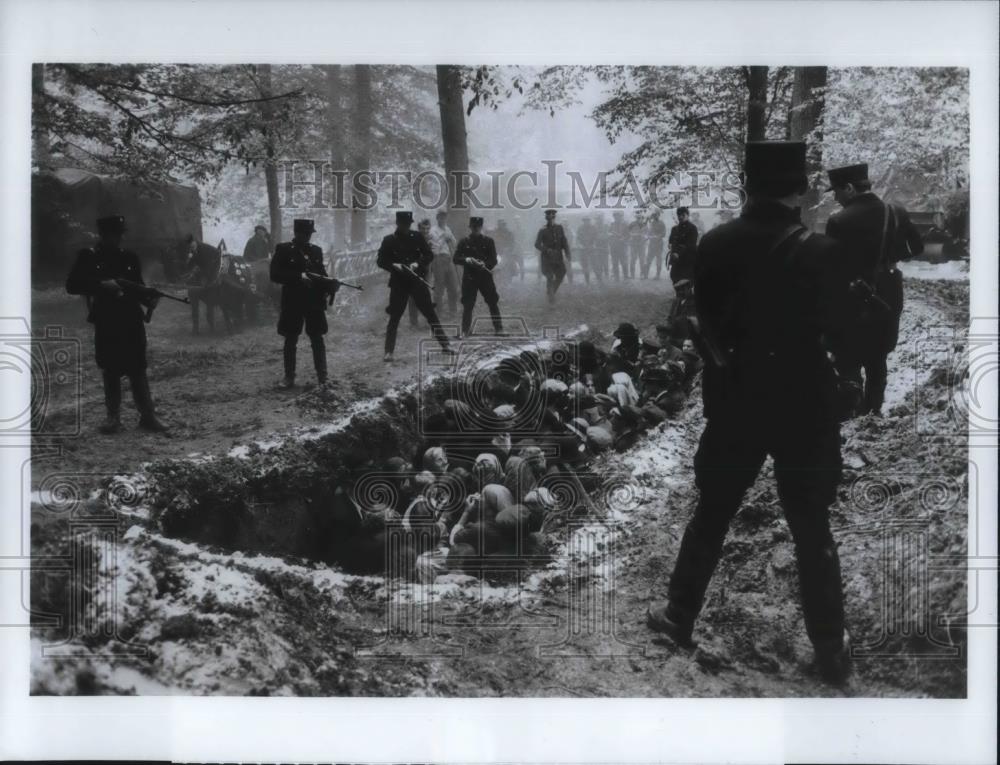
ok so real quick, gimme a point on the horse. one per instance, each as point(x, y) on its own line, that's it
point(203, 266)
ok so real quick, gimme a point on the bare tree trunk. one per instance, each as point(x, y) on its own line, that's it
point(757, 103)
point(453, 136)
point(338, 158)
point(360, 148)
point(40, 133)
point(270, 163)
point(805, 123)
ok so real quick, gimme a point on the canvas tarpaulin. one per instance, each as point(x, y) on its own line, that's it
point(67, 202)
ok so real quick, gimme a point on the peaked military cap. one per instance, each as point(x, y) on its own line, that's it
point(303, 225)
point(111, 223)
point(841, 176)
point(404, 216)
point(774, 159)
point(474, 221)
point(550, 212)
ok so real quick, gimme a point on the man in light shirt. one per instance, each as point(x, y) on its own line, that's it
point(442, 242)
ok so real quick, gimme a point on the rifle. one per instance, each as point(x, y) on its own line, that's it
point(330, 282)
point(412, 272)
point(331, 285)
point(144, 293)
point(707, 344)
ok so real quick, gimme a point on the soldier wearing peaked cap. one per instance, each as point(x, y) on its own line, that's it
point(118, 318)
point(303, 299)
point(477, 254)
point(406, 255)
point(767, 292)
point(553, 254)
point(874, 235)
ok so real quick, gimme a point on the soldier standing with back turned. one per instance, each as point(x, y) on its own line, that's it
point(874, 235)
point(767, 291)
point(303, 299)
point(116, 311)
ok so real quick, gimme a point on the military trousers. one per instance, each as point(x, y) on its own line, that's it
point(474, 285)
point(807, 470)
point(400, 293)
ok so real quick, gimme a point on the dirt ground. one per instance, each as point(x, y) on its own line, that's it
point(218, 390)
point(212, 621)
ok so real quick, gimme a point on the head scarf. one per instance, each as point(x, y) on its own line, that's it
point(487, 469)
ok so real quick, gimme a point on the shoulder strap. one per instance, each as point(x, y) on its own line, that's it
point(883, 251)
point(786, 234)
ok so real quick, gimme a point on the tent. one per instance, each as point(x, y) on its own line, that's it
point(65, 204)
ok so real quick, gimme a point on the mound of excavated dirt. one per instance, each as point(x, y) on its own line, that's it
point(216, 615)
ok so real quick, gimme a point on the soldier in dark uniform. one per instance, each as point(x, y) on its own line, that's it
point(874, 235)
point(656, 232)
point(586, 249)
point(636, 243)
point(477, 254)
point(618, 245)
point(303, 299)
point(116, 311)
point(683, 247)
point(505, 243)
point(406, 255)
point(553, 248)
point(767, 291)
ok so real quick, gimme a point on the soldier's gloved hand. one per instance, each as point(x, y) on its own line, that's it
point(398, 266)
point(111, 286)
point(306, 277)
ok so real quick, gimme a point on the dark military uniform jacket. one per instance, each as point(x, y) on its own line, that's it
point(480, 247)
point(858, 227)
point(767, 297)
point(408, 248)
point(119, 329)
point(291, 260)
point(684, 242)
point(552, 243)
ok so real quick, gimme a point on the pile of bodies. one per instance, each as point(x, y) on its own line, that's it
point(479, 488)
